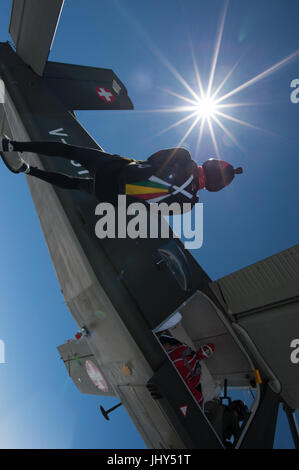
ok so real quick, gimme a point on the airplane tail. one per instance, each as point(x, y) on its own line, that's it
point(32, 28)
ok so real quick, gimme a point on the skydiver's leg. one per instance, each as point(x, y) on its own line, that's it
point(88, 157)
point(61, 180)
point(93, 160)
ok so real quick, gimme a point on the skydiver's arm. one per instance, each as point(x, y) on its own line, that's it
point(173, 155)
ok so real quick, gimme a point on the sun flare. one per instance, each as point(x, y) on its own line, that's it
point(206, 107)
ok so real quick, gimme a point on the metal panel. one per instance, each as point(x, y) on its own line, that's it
point(271, 280)
point(146, 414)
point(16, 16)
point(76, 356)
point(272, 332)
point(32, 28)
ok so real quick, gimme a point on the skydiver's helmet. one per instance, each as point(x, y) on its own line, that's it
point(216, 174)
point(207, 350)
point(240, 408)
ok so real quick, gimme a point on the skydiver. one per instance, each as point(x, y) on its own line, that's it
point(236, 412)
point(187, 362)
point(168, 174)
point(226, 419)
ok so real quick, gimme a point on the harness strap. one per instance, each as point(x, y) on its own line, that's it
point(197, 369)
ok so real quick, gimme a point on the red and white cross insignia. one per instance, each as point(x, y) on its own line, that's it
point(105, 94)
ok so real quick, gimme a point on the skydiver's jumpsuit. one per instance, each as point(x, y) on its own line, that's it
point(168, 174)
point(188, 365)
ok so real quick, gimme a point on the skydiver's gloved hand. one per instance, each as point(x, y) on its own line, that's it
point(215, 174)
point(5, 144)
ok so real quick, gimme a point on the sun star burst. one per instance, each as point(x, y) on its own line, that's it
point(206, 107)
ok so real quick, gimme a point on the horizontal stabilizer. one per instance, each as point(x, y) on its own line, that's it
point(83, 88)
point(32, 28)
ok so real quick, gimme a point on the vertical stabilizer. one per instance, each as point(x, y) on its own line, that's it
point(32, 28)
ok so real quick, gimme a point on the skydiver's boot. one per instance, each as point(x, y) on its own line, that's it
point(13, 161)
point(24, 168)
point(16, 167)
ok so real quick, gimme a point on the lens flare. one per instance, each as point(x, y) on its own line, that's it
point(205, 107)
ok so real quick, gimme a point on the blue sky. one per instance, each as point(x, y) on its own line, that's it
point(148, 45)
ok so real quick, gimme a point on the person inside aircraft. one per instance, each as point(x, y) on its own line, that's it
point(168, 174)
point(187, 362)
point(236, 412)
point(227, 419)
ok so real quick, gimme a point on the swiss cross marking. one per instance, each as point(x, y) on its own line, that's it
point(105, 94)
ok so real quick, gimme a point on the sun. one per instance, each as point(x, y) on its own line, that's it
point(206, 107)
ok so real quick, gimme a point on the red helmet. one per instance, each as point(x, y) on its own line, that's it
point(215, 174)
